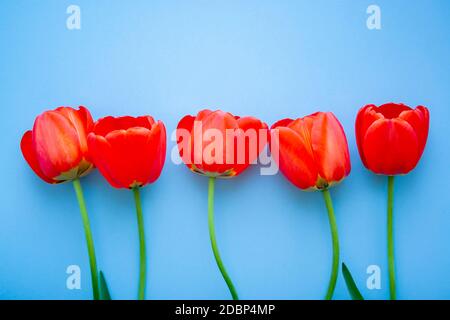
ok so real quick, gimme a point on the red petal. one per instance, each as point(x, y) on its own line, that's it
point(251, 123)
point(102, 156)
point(303, 126)
point(30, 156)
point(184, 141)
point(253, 148)
point(86, 118)
point(295, 158)
point(56, 143)
point(366, 116)
point(202, 114)
point(330, 147)
point(130, 162)
point(157, 151)
point(392, 110)
point(282, 123)
point(106, 125)
point(81, 115)
point(391, 147)
point(219, 122)
point(82, 123)
point(419, 119)
point(187, 123)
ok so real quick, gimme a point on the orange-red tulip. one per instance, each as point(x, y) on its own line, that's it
point(218, 144)
point(56, 149)
point(129, 152)
point(312, 152)
point(391, 138)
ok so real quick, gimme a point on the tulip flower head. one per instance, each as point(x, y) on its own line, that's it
point(129, 152)
point(56, 149)
point(312, 152)
point(218, 144)
point(391, 138)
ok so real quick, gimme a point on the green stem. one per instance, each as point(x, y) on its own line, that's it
point(212, 235)
point(89, 240)
point(335, 238)
point(390, 240)
point(142, 251)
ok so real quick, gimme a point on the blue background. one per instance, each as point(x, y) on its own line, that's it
point(270, 59)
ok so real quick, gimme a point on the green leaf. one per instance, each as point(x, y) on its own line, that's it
point(104, 291)
point(351, 285)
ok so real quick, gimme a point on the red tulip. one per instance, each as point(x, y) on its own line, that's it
point(56, 149)
point(391, 138)
point(218, 144)
point(129, 152)
point(312, 152)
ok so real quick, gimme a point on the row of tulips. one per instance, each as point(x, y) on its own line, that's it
point(65, 144)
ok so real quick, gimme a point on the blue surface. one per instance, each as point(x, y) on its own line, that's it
point(270, 59)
